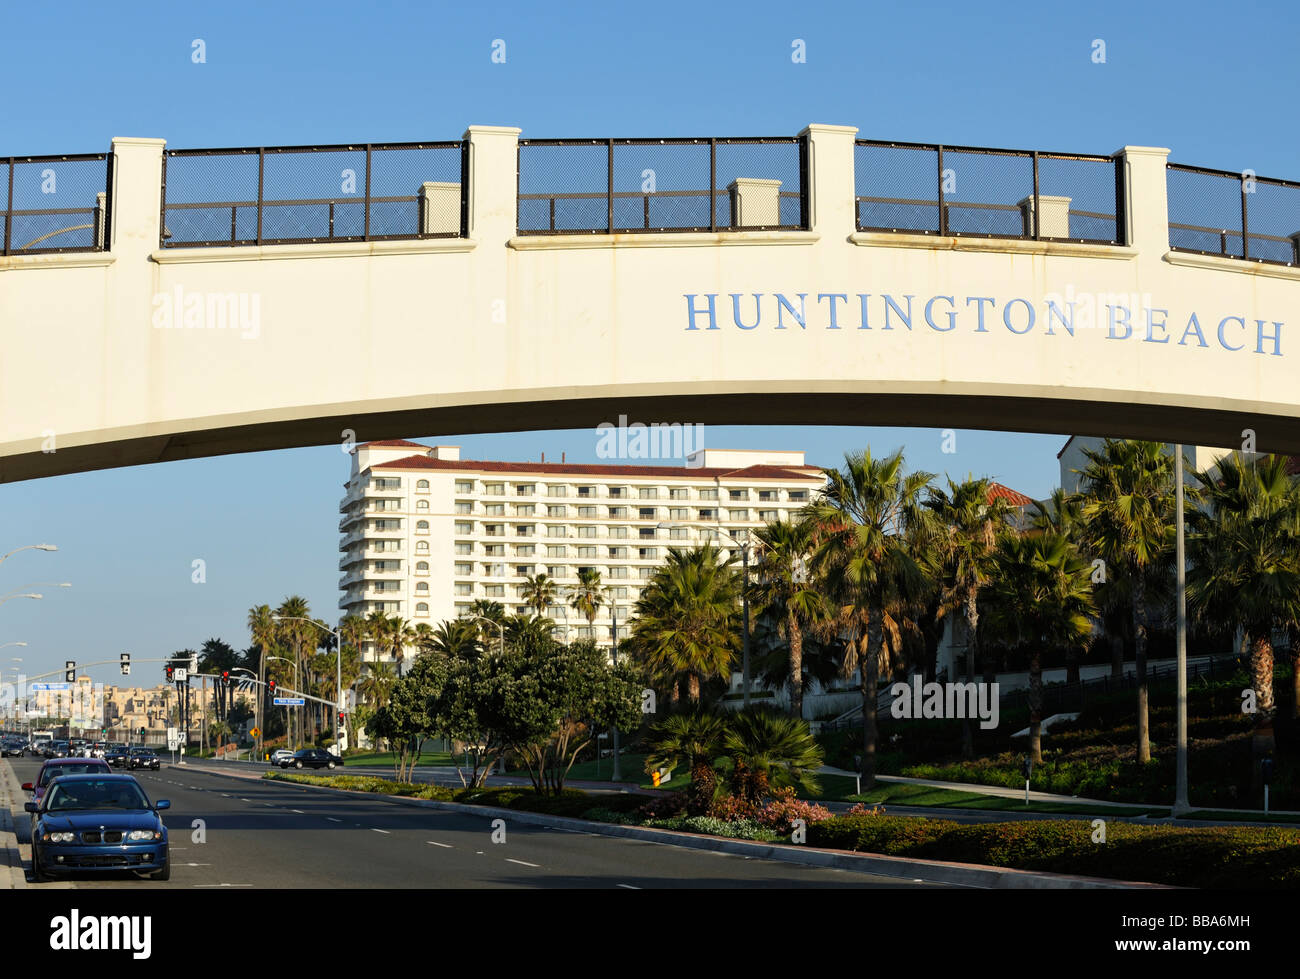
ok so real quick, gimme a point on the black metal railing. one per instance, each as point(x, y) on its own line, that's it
point(55, 203)
point(606, 186)
point(298, 194)
point(1237, 215)
point(932, 189)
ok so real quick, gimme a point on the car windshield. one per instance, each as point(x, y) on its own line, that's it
point(56, 771)
point(95, 794)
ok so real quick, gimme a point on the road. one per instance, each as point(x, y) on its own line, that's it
point(272, 834)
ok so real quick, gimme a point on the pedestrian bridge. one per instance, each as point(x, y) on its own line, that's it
point(162, 303)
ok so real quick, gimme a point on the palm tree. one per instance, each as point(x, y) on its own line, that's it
point(489, 609)
point(685, 623)
point(695, 738)
point(1063, 514)
point(771, 751)
point(299, 637)
point(587, 597)
point(788, 590)
point(1128, 491)
point(453, 639)
point(1039, 596)
point(867, 522)
point(1245, 564)
point(539, 591)
point(379, 628)
point(262, 629)
point(378, 681)
point(969, 524)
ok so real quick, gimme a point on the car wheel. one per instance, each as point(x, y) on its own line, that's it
point(331, 765)
point(298, 764)
point(166, 872)
point(38, 875)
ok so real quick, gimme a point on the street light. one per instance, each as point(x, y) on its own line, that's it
point(500, 629)
point(338, 664)
point(29, 547)
point(295, 687)
point(617, 774)
point(29, 595)
point(744, 546)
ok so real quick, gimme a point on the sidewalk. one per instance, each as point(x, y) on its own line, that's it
point(12, 797)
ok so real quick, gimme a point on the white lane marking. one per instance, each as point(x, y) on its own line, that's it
point(445, 846)
point(384, 831)
point(249, 801)
point(522, 863)
point(223, 885)
point(298, 811)
point(629, 887)
point(333, 820)
point(192, 865)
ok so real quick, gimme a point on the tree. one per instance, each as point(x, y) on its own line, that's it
point(771, 751)
point(262, 629)
point(299, 638)
point(695, 738)
point(1244, 553)
point(539, 591)
point(867, 521)
point(407, 719)
point(1128, 504)
point(1063, 514)
point(588, 596)
point(685, 627)
point(453, 639)
point(375, 685)
point(787, 588)
point(1039, 597)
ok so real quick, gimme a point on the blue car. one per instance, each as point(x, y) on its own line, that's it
point(101, 823)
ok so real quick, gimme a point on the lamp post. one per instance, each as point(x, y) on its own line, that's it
point(744, 546)
point(29, 547)
point(501, 632)
point(338, 664)
point(295, 687)
point(7, 598)
point(617, 774)
point(1181, 804)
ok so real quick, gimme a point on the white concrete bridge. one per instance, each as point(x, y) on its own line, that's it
point(795, 306)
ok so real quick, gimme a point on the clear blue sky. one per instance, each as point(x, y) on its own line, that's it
point(1209, 81)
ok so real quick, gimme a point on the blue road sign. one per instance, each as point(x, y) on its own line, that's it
point(289, 701)
point(50, 686)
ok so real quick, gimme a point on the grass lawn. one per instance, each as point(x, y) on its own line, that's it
point(388, 758)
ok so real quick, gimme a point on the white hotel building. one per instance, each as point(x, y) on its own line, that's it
point(426, 533)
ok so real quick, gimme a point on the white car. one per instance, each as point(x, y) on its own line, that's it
point(281, 755)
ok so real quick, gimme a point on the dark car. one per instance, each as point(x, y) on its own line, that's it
point(310, 758)
point(12, 748)
point(57, 767)
point(117, 756)
point(98, 823)
point(142, 758)
point(57, 749)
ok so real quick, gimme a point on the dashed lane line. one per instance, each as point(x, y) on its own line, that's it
point(522, 863)
point(445, 846)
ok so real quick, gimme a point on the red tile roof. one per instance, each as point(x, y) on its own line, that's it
point(999, 492)
point(809, 473)
point(394, 443)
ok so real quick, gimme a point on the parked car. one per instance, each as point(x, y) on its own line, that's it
point(142, 758)
point(310, 758)
point(102, 823)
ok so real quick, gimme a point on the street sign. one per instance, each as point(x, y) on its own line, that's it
point(256, 732)
point(173, 738)
point(180, 676)
point(50, 686)
point(289, 701)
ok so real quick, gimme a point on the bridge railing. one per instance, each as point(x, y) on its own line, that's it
point(1237, 215)
point(300, 194)
point(617, 186)
point(55, 203)
point(922, 188)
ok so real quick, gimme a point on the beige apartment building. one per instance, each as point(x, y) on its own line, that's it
point(426, 533)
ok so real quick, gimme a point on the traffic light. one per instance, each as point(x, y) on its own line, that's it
point(170, 670)
point(225, 676)
point(341, 718)
point(70, 671)
point(124, 661)
point(270, 685)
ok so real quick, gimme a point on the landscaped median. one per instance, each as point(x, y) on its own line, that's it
point(1210, 857)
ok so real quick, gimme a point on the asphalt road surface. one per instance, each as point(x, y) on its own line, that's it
point(269, 834)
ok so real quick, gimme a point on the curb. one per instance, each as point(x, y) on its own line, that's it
point(14, 877)
point(903, 868)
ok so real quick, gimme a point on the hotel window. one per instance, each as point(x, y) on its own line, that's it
point(679, 513)
point(464, 526)
point(523, 570)
point(556, 550)
point(708, 513)
point(421, 608)
point(421, 504)
point(464, 588)
point(646, 513)
point(679, 493)
point(738, 494)
point(462, 567)
point(462, 547)
point(494, 550)
point(648, 492)
point(586, 531)
point(526, 510)
point(645, 573)
point(494, 591)
point(618, 533)
point(523, 530)
point(617, 512)
point(422, 588)
point(586, 491)
point(422, 526)
point(618, 592)
point(557, 511)
point(618, 492)
point(586, 511)
point(525, 550)
point(737, 514)
point(587, 551)
point(421, 486)
point(494, 570)
point(768, 516)
point(618, 552)
point(464, 506)
point(552, 490)
point(494, 530)
point(464, 486)
point(767, 496)
point(679, 533)
point(555, 611)
point(557, 531)
point(391, 483)
point(523, 609)
point(708, 494)
point(647, 553)
point(385, 525)
point(647, 533)
point(495, 509)
point(494, 489)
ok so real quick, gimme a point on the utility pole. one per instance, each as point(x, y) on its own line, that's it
point(1181, 804)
